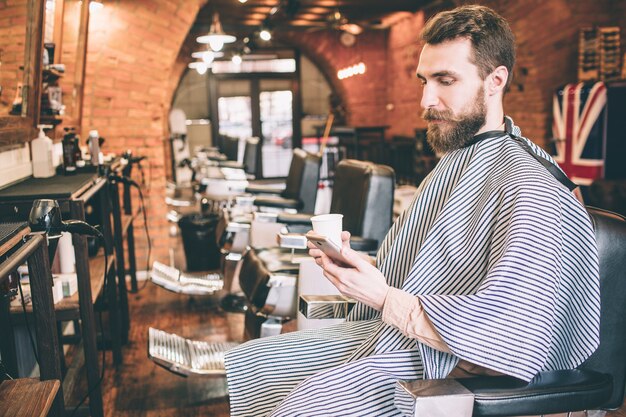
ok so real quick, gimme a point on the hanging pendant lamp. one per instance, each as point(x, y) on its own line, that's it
point(216, 38)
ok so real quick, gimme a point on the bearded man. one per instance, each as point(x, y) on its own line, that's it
point(493, 268)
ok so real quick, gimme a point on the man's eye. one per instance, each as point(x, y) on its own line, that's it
point(446, 81)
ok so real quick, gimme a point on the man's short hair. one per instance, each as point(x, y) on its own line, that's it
point(492, 39)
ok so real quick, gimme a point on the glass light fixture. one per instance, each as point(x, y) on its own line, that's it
point(216, 38)
point(199, 66)
point(207, 56)
point(265, 34)
point(95, 6)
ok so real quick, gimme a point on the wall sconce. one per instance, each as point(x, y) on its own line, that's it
point(356, 69)
point(216, 38)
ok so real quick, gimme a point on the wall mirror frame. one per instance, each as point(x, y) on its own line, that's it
point(17, 129)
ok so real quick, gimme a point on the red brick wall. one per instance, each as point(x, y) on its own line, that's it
point(131, 58)
point(365, 95)
point(547, 54)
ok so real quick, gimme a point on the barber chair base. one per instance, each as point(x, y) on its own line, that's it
point(187, 357)
point(257, 326)
point(234, 303)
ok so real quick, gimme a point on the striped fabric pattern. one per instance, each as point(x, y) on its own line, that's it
point(504, 261)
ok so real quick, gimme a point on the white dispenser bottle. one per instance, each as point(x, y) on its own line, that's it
point(42, 150)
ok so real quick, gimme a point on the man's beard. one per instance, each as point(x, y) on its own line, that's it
point(455, 132)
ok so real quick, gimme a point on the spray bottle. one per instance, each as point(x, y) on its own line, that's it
point(42, 150)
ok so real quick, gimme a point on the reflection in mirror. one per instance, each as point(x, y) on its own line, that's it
point(12, 52)
point(48, 33)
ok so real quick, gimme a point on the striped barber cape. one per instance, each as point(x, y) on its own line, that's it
point(504, 261)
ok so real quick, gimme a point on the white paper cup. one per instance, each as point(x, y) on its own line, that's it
point(329, 225)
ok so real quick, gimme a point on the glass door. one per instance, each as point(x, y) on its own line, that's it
point(235, 116)
point(262, 107)
point(276, 114)
point(234, 110)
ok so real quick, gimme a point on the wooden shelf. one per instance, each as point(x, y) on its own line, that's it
point(26, 397)
point(50, 74)
point(45, 119)
point(68, 308)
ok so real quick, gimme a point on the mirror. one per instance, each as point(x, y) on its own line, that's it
point(73, 41)
point(12, 51)
point(20, 65)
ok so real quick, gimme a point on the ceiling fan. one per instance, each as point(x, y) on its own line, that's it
point(339, 21)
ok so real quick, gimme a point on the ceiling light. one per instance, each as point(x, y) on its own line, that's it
point(236, 59)
point(199, 66)
point(265, 34)
point(206, 55)
point(242, 1)
point(216, 38)
point(95, 6)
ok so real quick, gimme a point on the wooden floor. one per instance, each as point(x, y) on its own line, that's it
point(139, 388)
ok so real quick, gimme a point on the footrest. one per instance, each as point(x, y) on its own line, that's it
point(187, 357)
point(173, 280)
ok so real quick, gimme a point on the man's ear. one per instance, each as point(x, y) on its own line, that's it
point(496, 81)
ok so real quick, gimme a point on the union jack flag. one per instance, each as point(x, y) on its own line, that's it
point(579, 112)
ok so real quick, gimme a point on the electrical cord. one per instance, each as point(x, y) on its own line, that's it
point(5, 371)
point(145, 223)
point(129, 181)
point(30, 335)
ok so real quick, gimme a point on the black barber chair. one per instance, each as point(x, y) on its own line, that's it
point(251, 159)
point(301, 185)
point(597, 384)
point(363, 193)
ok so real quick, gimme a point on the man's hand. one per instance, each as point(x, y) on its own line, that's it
point(359, 279)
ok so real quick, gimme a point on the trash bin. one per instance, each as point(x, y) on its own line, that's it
point(200, 241)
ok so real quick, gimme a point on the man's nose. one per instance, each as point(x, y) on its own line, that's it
point(429, 97)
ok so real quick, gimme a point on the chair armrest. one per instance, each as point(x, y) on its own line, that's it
point(234, 227)
point(325, 306)
point(231, 164)
point(362, 244)
point(550, 392)
point(295, 219)
point(263, 189)
point(433, 398)
point(282, 281)
point(292, 241)
point(278, 202)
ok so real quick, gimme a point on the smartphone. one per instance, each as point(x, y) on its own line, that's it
point(330, 248)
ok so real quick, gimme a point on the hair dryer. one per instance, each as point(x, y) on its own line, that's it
point(45, 217)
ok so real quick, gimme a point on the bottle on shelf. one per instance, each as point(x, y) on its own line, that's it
point(93, 141)
point(69, 154)
point(42, 150)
